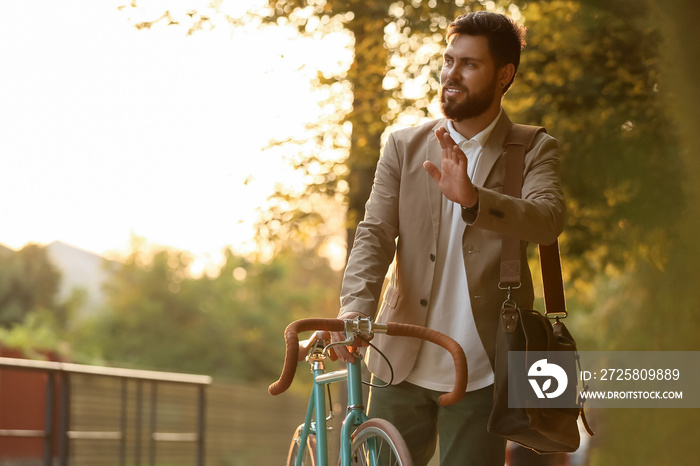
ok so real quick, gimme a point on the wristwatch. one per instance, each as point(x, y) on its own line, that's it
point(469, 214)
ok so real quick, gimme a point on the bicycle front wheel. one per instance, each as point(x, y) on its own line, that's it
point(309, 453)
point(378, 443)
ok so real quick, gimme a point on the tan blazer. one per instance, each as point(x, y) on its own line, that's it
point(402, 219)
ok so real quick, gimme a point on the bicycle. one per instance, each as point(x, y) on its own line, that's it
point(363, 441)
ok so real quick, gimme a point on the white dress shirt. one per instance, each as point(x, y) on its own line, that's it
point(450, 311)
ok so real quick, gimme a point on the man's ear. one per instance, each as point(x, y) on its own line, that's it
point(505, 75)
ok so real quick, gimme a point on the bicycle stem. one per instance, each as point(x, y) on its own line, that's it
point(359, 327)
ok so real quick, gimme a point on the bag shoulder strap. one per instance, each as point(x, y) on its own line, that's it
point(518, 141)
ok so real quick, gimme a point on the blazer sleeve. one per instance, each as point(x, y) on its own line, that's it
point(375, 239)
point(537, 217)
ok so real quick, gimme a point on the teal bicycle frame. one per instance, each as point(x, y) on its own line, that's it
point(317, 405)
point(371, 437)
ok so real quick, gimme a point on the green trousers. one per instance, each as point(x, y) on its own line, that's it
point(461, 427)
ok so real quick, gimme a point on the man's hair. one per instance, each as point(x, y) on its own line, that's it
point(506, 38)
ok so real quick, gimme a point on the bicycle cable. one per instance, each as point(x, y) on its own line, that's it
point(391, 369)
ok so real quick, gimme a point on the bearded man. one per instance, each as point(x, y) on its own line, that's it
point(438, 210)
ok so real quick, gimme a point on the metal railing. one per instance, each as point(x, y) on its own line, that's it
point(62, 373)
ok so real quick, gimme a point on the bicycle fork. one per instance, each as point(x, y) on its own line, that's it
point(356, 411)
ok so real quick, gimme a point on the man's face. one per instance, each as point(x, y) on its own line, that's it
point(468, 78)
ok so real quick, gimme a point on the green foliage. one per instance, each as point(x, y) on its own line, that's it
point(31, 317)
point(659, 437)
point(591, 76)
point(653, 306)
point(37, 333)
point(158, 316)
point(28, 281)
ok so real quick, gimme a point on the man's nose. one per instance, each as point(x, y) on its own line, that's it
point(453, 73)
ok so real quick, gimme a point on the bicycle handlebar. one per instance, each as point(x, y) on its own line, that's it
point(291, 356)
point(392, 328)
point(458, 356)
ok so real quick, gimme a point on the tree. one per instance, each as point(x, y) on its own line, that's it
point(651, 306)
point(28, 281)
point(31, 317)
point(412, 28)
point(590, 74)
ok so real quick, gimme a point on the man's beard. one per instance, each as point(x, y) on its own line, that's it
point(472, 106)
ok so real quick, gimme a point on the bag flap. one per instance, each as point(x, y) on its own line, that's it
point(562, 341)
point(537, 330)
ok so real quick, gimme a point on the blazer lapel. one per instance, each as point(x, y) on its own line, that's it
point(433, 153)
point(493, 150)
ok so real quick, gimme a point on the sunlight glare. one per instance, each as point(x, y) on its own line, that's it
point(107, 131)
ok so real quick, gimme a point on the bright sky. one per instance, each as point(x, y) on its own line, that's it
point(107, 131)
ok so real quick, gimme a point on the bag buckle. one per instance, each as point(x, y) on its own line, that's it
point(509, 288)
point(509, 296)
point(509, 309)
point(556, 315)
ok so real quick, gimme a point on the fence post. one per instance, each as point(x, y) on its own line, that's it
point(48, 418)
point(201, 425)
point(139, 408)
point(152, 430)
point(64, 420)
point(123, 422)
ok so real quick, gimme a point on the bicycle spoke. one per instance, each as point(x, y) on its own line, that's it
point(382, 451)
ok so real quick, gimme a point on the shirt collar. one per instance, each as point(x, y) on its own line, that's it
point(480, 138)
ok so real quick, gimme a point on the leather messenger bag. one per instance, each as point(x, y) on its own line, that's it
point(526, 332)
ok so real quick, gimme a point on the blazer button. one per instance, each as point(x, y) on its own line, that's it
point(432, 257)
point(424, 302)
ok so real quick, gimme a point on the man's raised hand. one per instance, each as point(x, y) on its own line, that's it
point(452, 177)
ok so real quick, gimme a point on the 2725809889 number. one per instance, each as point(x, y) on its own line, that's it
point(639, 374)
